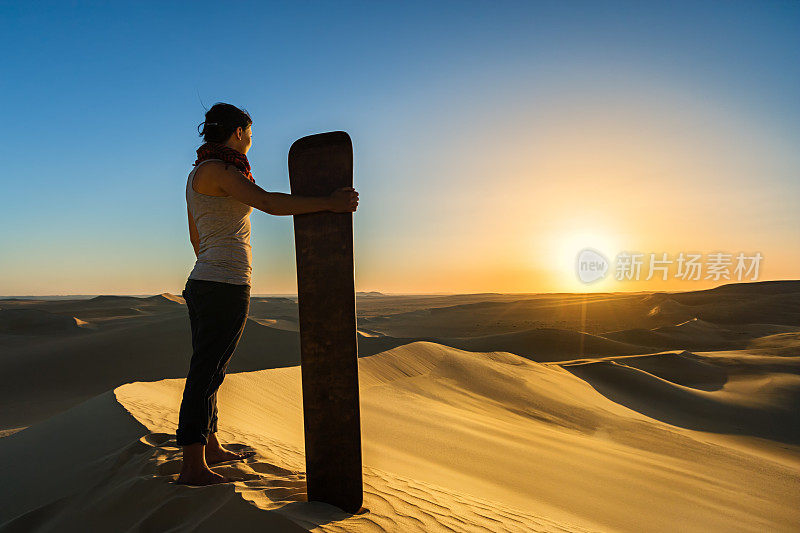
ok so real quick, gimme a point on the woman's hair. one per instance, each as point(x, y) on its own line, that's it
point(221, 121)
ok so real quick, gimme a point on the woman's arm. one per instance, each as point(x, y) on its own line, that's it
point(234, 183)
point(194, 236)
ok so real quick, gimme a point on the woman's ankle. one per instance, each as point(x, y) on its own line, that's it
point(213, 445)
point(194, 457)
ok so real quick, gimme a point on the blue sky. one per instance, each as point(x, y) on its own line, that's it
point(451, 106)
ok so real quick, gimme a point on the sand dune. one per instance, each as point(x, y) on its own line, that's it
point(668, 309)
point(683, 368)
point(547, 344)
point(781, 286)
point(166, 298)
point(784, 343)
point(507, 428)
point(278, 323)
point(697, 334)
point(452, 439)
point(590, 313)
point(35, 321)
point(771, 302)
point(146, 349)
point(760, 405)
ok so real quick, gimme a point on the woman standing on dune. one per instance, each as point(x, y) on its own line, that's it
point(220, 195)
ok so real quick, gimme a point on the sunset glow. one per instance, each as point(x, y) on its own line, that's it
point(480, 169)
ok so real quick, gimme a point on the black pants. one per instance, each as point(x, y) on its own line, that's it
point(218, 312)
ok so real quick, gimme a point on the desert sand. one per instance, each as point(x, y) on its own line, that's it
point(480, 412)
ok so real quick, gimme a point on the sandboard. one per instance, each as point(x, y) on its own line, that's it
point(319, 164)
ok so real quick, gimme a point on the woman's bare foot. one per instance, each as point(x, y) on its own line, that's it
point(195, 471)
point(223, 455)
point(215, 453)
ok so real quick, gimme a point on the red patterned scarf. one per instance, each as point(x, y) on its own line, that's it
point(226, 153)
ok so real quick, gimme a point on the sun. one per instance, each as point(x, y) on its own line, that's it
point(565, 247)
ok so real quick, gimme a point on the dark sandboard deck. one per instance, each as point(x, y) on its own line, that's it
point(319, 164)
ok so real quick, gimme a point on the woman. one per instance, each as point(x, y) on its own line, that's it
point(220, 195)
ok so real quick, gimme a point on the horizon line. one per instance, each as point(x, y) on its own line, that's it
point(294, 294)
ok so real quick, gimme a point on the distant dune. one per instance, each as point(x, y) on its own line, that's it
point(167, 298)
point(35, 321)
point(670, 310)
point(547, 344)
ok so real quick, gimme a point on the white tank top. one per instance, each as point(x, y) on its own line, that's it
point(223, 225)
